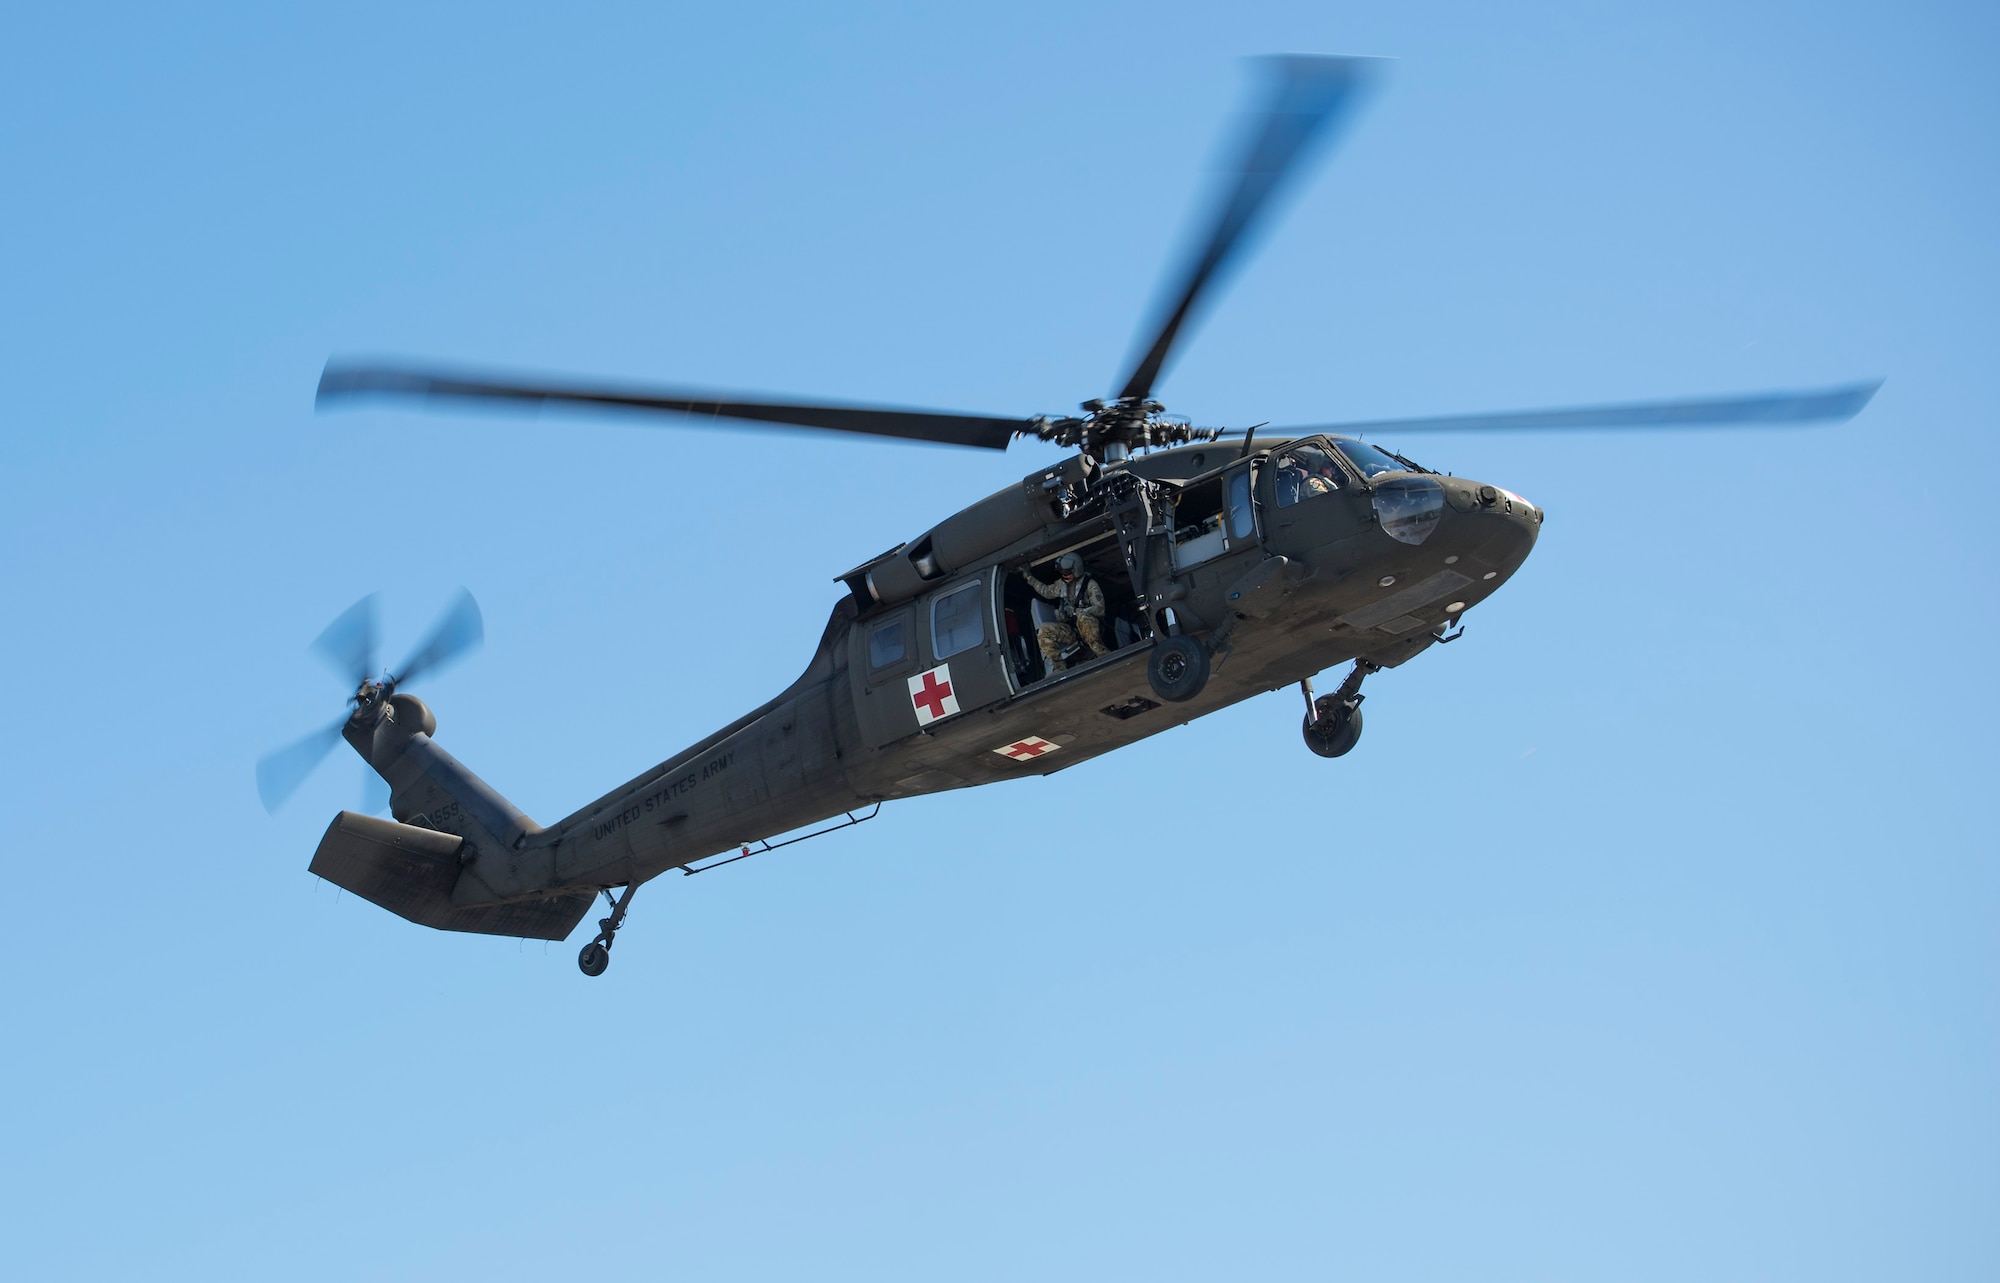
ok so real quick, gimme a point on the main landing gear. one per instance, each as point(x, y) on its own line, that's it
point(596, 955)
point(1177, 668)
point(1333, 722)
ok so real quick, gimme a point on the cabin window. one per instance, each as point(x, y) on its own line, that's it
point(957, 622)
point(888, 644)
point(1242, 516)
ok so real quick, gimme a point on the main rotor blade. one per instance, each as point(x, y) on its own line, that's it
point(349, 642)
point(1307, 95)
point(280, 773)
point(983, 431)
point(1829, 405)
point(458, 630)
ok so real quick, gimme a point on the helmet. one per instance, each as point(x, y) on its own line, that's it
point(1069, 564)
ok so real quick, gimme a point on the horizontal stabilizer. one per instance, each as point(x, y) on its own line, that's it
point(410, 871)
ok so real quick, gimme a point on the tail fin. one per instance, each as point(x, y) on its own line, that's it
point(412, 871)
point(460, 856)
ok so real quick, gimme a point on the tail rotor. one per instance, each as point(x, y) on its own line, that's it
point(457, 633)
point(350, 645)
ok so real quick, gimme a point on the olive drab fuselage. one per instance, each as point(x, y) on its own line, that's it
point(925, 677)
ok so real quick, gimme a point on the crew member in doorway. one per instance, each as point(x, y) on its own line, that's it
point(1080, 602)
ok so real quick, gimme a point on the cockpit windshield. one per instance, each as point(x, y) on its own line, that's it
point(1373, 461)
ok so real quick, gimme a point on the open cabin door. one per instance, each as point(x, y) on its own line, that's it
point(1213, 517)
point(927, 662)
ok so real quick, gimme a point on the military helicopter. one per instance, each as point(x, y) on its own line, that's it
point(1227, 564)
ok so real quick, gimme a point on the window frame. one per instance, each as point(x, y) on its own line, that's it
point(1246, 474)
point(1354, 468)
point(979, 634)
point(902, 619)
point(1343, 467)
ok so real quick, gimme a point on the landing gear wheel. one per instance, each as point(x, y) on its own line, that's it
point(1334, 736)
point(1178, 668)
point(596, 955)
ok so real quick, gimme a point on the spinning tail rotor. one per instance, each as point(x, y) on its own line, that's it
point(350, 645)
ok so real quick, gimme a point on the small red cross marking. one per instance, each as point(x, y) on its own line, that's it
point(933, 695)
point(1027, 750)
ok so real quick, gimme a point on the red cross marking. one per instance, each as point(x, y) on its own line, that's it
point(1026, 750)
point(933, 695)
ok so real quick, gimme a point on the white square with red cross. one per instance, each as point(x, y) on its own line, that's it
point(1027, 750)
point(932, 696)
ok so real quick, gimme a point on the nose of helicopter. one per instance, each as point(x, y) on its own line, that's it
point(1476, 533)
point(1491, 527)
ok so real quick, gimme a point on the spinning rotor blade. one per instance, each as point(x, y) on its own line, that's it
point(350, 642)
point(1308, 94)
point(1832, 405)
point(459, 630)
point(280, 773)
point(342, 381)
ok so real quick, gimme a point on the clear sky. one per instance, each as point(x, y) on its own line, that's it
point(1649, 934)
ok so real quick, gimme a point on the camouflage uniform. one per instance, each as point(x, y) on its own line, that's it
point(1082, 607)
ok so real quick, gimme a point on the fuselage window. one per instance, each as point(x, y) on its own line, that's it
point(1242, 517)
point(957, 623)
point(886, 645)
point(1306, 472)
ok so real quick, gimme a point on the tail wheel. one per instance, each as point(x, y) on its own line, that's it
point(1334, 736)
point(1178, 668)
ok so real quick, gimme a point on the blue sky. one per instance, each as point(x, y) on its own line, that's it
point(1649, 933)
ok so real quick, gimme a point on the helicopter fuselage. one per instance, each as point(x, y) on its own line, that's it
point(944, 685)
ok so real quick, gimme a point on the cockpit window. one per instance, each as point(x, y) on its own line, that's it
point(1305, 472)
point(1373, 462)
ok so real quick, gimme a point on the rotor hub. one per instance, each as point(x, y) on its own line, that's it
point(1108, 431)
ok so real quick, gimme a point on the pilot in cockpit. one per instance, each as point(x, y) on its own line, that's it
point(1290, 477)
point(1305, 472)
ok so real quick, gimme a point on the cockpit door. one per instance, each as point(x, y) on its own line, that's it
point(1308, 498)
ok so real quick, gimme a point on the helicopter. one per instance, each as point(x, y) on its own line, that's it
point(1159, 572)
